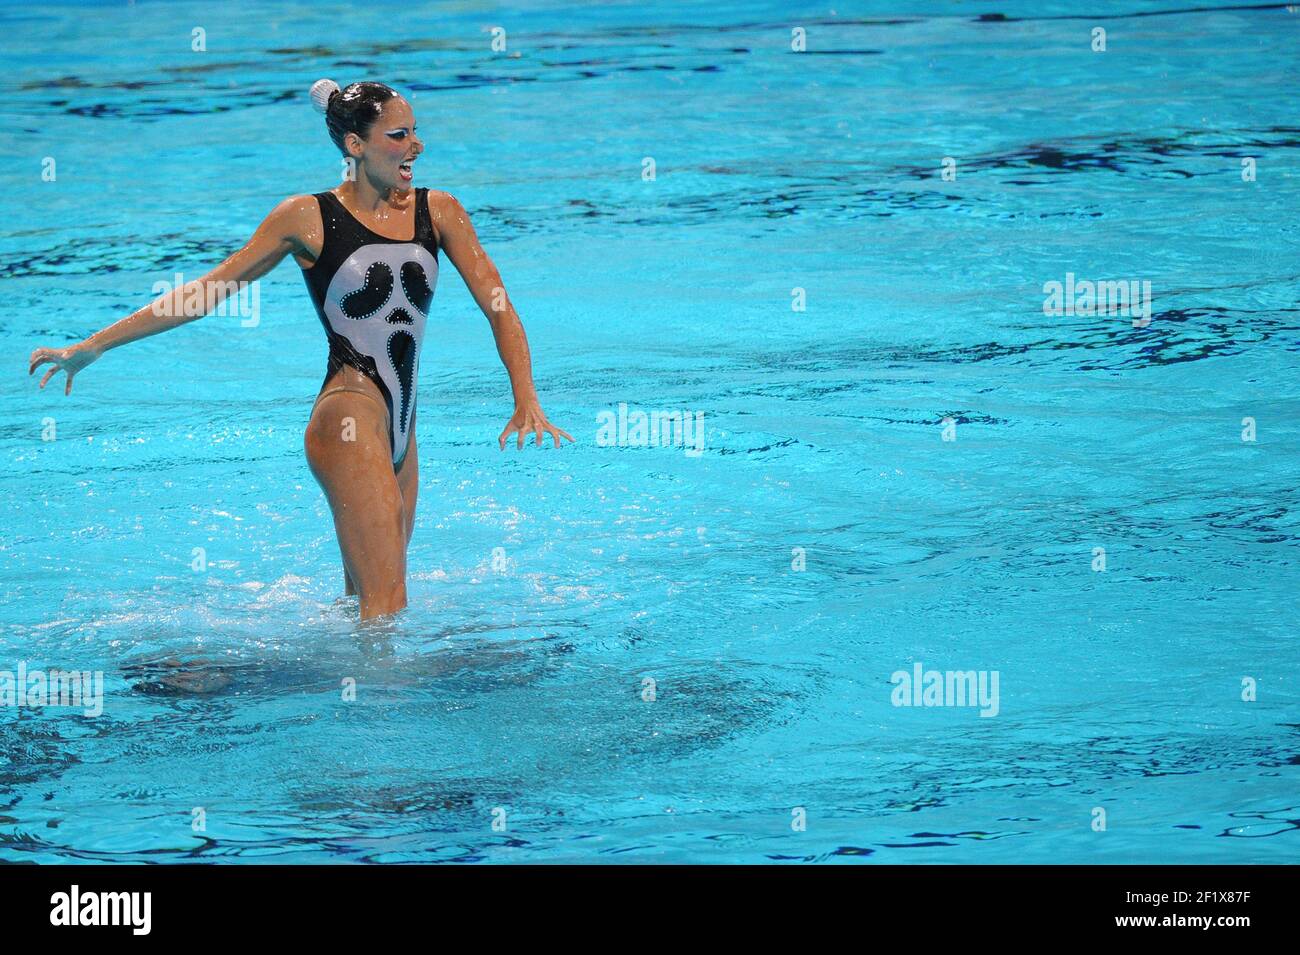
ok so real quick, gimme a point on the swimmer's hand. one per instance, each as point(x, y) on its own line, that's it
point(528, 417)
point(71, 359)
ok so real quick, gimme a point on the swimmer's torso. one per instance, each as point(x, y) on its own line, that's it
point(372, 294)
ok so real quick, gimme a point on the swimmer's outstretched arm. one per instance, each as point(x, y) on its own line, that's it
point(460, 242)
point(279, 234)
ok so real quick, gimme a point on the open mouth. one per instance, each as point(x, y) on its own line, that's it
point(404, 170)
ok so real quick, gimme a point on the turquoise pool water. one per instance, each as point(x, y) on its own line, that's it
point(827, 537)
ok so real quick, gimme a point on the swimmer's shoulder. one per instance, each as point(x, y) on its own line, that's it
point(444, 203)
point(297, 216)
point(297, 221)
point(299, 207)
point(446, 211)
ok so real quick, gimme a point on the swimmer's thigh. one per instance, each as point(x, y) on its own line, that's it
point(348, 452)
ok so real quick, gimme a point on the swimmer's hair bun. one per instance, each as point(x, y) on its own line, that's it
point(321, 91)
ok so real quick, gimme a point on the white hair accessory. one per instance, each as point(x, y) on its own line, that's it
point(321, 91)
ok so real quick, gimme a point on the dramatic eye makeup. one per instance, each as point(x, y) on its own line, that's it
point(400, 132)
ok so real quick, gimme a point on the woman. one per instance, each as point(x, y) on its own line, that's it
point(368, 250)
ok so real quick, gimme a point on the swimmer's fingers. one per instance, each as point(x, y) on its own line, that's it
point(543, 427)
point(67, 389)
point(525, 426)
point(57, 357)
point(531, 421)
point(501, 438)
point(71, 360)
point(39, 357)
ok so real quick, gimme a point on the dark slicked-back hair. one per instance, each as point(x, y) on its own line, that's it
point(355, 109)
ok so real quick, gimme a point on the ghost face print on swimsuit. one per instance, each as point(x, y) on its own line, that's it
point(378, 300)
point(372, 294)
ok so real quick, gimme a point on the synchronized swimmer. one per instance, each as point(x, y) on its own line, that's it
point(368, 250)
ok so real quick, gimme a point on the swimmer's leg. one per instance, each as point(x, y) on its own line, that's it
point(408, 481)
point(358, 480)
point(170, 675)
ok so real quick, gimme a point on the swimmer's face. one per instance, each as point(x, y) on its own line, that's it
point(391, 147)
